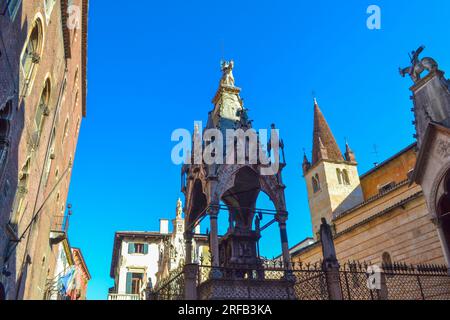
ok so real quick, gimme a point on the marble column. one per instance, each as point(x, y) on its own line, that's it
point(214, 236)
point(281, 219)
point(188, 246)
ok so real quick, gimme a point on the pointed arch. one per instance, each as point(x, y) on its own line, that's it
point(315, 181)
point(198, 203)
point(443, 208)
point(31, 53)
point(42, 111)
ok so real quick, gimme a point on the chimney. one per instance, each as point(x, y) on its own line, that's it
point(164, 226)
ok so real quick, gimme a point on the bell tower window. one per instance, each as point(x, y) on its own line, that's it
point(345, 177)
point(316, 183)
point(339, 175)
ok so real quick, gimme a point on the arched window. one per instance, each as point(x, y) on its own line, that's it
point(5, 117)
point(339, 175)
point(42, 111)
point(50, 157)
point(345, 177)
point(32, 55)
point(443, 208)
point(316, 183)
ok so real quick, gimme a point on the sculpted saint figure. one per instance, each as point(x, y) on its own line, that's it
point(227, 71)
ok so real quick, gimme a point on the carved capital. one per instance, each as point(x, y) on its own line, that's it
point(281, 218)
point(213, 212)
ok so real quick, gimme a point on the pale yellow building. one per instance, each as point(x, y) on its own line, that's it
point(378, 217)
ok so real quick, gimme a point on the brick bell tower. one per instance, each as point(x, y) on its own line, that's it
point(332, 179)
point(236, 185)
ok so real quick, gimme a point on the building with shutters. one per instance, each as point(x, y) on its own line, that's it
point(141, 259)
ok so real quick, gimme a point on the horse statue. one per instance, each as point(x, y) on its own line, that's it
point(418, 66)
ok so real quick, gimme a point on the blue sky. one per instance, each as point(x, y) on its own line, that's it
point(154, 67)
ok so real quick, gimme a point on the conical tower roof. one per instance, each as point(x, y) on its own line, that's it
point(323, 139)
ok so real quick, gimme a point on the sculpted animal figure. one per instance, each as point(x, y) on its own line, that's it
point(418, 66)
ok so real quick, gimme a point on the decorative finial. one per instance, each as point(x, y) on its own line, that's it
point(306, 164)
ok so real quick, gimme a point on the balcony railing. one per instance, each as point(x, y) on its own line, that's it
point(120, 296)
point(60, 223)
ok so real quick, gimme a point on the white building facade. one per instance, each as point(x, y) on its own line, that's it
point(141, 259)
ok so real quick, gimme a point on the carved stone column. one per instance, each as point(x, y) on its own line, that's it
point(281, 219)
point(214, 236)
point(190, 281)
point(330, 263)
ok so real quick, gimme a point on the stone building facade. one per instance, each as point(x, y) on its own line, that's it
point(43, 46)
point(400, 210)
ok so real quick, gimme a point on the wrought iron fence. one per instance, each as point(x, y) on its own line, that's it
point(398, 281)
point(172, 288)
point(355, 281)
point(272, 281)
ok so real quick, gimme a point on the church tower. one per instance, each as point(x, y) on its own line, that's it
point(332, 180)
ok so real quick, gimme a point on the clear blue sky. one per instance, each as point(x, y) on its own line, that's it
point(154, 67)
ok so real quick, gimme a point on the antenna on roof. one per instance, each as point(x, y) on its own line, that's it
point(375, 152)
point(222, 48)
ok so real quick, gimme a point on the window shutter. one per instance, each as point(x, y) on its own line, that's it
point(145, 248)
point(129, 282)
point(131, 247)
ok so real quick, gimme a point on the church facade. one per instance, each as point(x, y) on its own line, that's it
point(400, 210)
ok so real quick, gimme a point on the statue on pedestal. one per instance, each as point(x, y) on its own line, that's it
point(418, 66)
